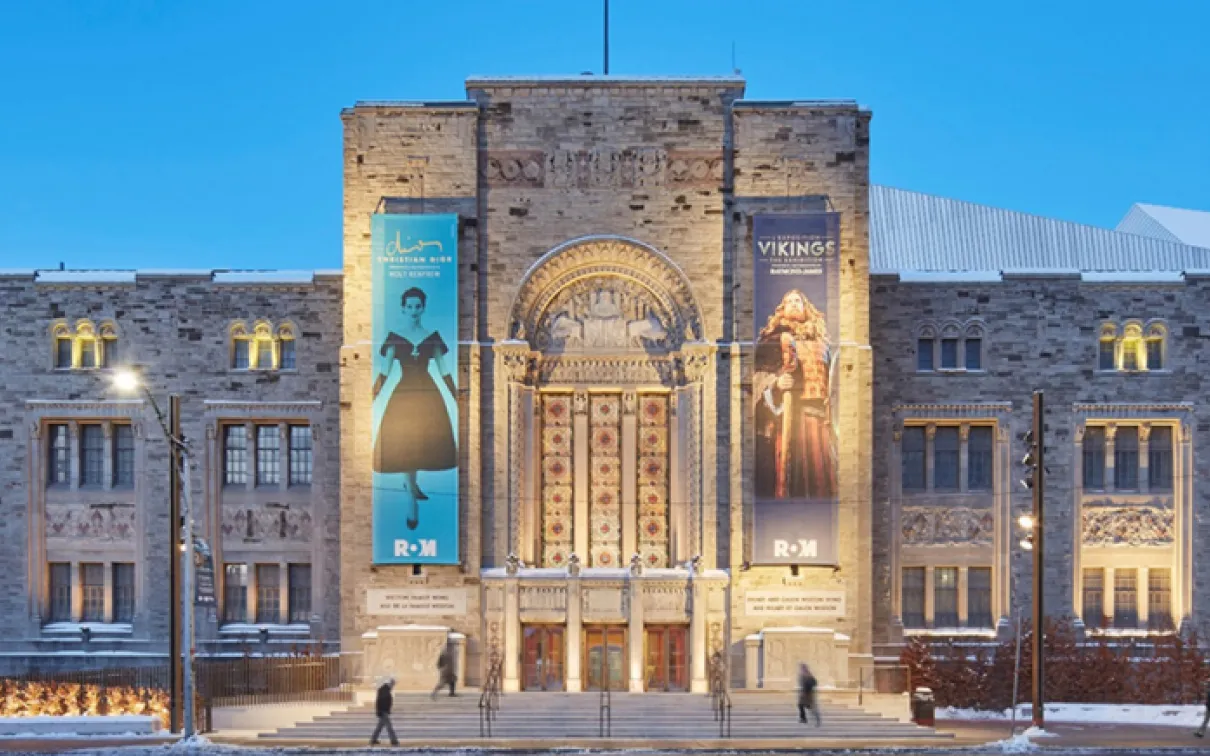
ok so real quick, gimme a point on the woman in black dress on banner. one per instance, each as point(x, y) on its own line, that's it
point(415, 433)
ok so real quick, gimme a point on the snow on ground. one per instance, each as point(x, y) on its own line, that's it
point(1189, 715)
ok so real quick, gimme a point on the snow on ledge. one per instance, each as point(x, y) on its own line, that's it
point(1177, 715)
point(264, 277)
point(1132, 276)
point(945, 632)
point(950, 276)
point(85, 277)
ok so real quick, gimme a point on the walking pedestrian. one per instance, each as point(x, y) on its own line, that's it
point(806, 695)
point(1201, 731)
point(447, 675)
point(382, 708)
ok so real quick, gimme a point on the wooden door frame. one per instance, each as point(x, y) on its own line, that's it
point(545, 628)
point(607, 630)
point(665, 629)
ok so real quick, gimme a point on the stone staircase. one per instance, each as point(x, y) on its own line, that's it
point(570, 716)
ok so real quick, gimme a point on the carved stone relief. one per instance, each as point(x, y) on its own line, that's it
point(604, 167)
point(543, 598)
point(1128, 526)
point(604, 313)
point(266, 525)
point(95, 524)
point(665, 601)
point(936, 526)
point(515, 168)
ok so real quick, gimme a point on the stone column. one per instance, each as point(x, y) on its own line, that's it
point(630, 449)
point(575, 632)
point(697, 635)
point(512, 636)
point(77, 593)
point(73, 453)
point(635, 646)
point(930, 433)
point(736, 434)
point(528, 548)
point(580, 461)
point(752, 662)
point(896, 556)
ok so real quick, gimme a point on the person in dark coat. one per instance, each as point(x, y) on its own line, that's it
point(382, 708)
point(447, 675)
point(1201, 731)
point(806, 695)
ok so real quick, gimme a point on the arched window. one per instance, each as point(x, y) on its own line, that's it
point(1157, 337)
point(1133, 356)
point(87, 356)
point(110, 351)
point(285, 347)
point(972, 347)
point(950, 336)
point(62, 342)
point(240, 347)
point(926, 344)
point(1107, 347)
point(264, 355)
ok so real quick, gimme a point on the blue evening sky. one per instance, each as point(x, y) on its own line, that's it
point(167, 133)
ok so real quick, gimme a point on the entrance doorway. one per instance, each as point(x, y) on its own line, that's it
point(667, 658)
point(605, 657)
point(542, 657)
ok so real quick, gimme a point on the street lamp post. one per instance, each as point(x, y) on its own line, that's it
point(1034, 462)
point(181, 540)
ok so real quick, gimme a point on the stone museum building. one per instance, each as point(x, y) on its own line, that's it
point(605, 380)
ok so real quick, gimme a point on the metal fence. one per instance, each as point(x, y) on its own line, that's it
point(259, 680)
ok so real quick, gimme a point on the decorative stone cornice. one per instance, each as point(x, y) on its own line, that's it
point(118, 407)
point(1131, 409)
point(247, 409)
point(954, 410)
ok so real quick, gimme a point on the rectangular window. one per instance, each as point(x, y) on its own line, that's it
point(945, 597)
point(264, 354)
point(268, 455)
point(1106, 360)
point(979, 458)
point(1155, 354)
point(1159, 459)
point(924, 354)
point(287, 354)
point(123, 456)
point(88, 353)
point(300, 593)
point(239, 354)
point(974, 354)
point(1094, 457)
point(268, 593)
point(949, 354)
point(235, 455)
point(123, 592)
point(1126, 598)
point(235, 593)
point(1126, 459)
point(1130, 354)
point(1159, 598)
point(109, 353)
point(913, 597)
point(1094, 597)
point(301, 455)
point(945, 459)
point(60, 592)
point(912, 453)
point(92, 582)
point(979, 597)
point(58, 461)
point(63, 353)
point(92, 455)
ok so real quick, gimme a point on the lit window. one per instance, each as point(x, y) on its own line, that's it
point(300, 455)
point(268, 455)
point(88, 352)
point(913, 456)
point(92, 581)
point(263, 353)
point(300, 593)
point(235, 455)
point(1132, 346)
point(1159, 598)
point(268, 593)
point(92, 455)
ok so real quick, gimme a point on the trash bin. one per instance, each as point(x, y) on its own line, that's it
point(924, 707)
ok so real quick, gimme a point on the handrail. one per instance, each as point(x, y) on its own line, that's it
point(720, 697)
point(489, 698)
point(605, 712)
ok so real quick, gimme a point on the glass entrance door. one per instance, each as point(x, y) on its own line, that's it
point(667, 658)
point(605, 657)
point(542, 657)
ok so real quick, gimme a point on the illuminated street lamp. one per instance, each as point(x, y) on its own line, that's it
point(1032, 540)
point(181, 540)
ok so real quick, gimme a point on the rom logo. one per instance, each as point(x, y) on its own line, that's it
point(800, 548)
point(422, 547)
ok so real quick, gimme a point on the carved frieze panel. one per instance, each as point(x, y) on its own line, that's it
point(110, 524)
point(515, 168)
point(605, 603)
point(543, 598)
point(638, 370)
point(940, 526)
point(266, 525)
point(1128, 526)
point(604, 313)
point(665, 601)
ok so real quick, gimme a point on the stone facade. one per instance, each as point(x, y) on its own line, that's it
point(176, 329)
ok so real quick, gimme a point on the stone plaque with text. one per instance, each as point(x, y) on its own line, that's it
point(408, 602)
point(794, 604)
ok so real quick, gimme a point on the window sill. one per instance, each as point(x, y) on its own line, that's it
point(245, 628)
point(967, 632)
point(1127, 632)
point(97, 628)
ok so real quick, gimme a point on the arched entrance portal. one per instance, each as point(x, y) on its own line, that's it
point(605, 368)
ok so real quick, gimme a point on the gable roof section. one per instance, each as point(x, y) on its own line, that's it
point(1170, 223)
point(912, 231)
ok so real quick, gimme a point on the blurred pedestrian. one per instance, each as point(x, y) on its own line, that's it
point(382, 708)
point(806, 695)
point(447, 674)
point(1201, 731)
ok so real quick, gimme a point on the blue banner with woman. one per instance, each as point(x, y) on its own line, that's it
point(415, 405)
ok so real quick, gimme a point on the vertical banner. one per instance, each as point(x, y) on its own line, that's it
point(794, 389)
point(415, 373)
